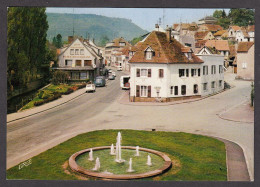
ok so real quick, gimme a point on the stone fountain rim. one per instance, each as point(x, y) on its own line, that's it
point(76, 168)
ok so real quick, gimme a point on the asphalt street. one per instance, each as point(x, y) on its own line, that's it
point(101, 110)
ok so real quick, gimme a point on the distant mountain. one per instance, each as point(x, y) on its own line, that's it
point(98, 27)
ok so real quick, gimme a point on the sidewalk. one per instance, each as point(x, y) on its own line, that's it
point(242, 112)
point(64, 99)
point(125, 100)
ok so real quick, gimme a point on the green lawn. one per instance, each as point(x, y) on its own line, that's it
point(47, 92)
point(194, 157)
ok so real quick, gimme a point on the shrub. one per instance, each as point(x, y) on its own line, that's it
point(60, 77)
point(69, 91)
point(83, 85)
point(38, 103)
point(74, 88)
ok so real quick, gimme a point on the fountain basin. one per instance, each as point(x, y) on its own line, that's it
point(162, 167)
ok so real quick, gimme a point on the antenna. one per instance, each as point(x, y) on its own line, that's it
point(163, 17)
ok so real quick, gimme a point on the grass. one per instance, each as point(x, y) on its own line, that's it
point(47, 92)
point(108, 163)
point(194, 157)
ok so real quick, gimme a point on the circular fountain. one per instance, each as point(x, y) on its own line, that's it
point(125, 162)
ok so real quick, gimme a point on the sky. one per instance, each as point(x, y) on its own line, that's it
point(146, 18)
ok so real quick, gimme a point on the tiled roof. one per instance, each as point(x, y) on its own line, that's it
point(213, 27)
point(208, 18)
point(200, 35)
point(235, 27)
point(244, 32)
point(244, 46)
point(220, 33)
point(185, 49)
point(220, 45)
point(165, 51)
point(232, 52)
point(200, 43)
point(118, 40)
point(251, 28)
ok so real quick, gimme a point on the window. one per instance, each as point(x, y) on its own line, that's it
point(187, 72)
point(82, 51)
point(71, 51)
point(195, 88)
point(148, 55)
point(205, 86)
point(122, 43)
point(220, 69)
point(76, 51)
point(78, 62)
point(244, 65)
point(175, 90)
point(205, 70)
point(181, 72)
point(213, 84)
point(144, 73)
point(183, 90)
point(137, 72)
point(193, 72)
point(149, 73)
point(199, 72)
point(213, 69)
point(87, 63)
point(171, 90)
point(160, 73)
point(143, 91)
point(220, 83)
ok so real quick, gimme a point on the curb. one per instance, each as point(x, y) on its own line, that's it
point(45, 109)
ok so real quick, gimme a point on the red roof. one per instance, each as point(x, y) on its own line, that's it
point(212, 27)
point(220, 45)
point(165, 51)
point(244, 46)
point(200, 35)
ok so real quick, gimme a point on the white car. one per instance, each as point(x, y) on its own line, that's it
point(90, 88)
point(114, 73)
point(119, 68)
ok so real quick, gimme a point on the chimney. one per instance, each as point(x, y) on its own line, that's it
point(70, 39)
point(157, 26)
point(169, 34)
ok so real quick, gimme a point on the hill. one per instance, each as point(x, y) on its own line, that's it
point(96, 26)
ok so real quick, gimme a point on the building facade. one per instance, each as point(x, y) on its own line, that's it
point(81, 60)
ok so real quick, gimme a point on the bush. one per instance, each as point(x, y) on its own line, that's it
point(69, 91)
point(74, 88)
point(60, 77)
point(83, 85)
point(38, 103)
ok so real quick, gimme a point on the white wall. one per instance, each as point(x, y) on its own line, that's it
point(210, 60)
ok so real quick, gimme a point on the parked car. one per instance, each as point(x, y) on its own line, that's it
point(119, 68)
point(90, 87)
point(109, 70)
point(114, 73)
point(111, 77)
point(100, 81)
point(124, 82)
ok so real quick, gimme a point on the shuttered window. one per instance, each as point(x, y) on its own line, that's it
point(187, 72)
point(149, 73)
point(149, 91)
point(199, 72)
point(160, 73)
point(137, 72)
point(183, 90)
point(137, 91)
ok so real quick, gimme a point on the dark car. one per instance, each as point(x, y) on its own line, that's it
point(100, 81)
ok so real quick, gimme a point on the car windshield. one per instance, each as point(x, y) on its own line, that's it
point(89, 85)
point(98, 80)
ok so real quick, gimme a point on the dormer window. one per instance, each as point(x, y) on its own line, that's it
point(149, 53)
point(122, 43)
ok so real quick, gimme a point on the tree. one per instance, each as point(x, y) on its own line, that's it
point(54, 41)
point(241, 16)
point(59, 41)
point(26, 38)
point(104, 40)
point(135, 40)
point(217, 14)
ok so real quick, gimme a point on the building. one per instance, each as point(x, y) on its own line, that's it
point(113, 46)
point(221, 46)
point(207, 20)
point(220, 35)
point(232, 30)
point(251, 32)
point(164, 70)
point(210, 27)
point(232, 58)
point(80, 59)
point(245, 60)
point(204, 35)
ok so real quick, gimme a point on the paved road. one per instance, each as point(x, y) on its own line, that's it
point(33, 135)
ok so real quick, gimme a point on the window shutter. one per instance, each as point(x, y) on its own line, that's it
point(149, 91)
point(149, 73)
point(137, 72)
point(199, 72)
point(162, 73)
point(137, 91)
